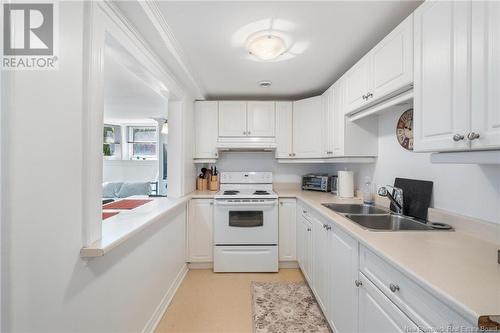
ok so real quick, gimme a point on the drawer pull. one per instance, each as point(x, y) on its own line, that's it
point(394, 287)
point(358, 283)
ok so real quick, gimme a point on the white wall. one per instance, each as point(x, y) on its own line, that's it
point(265, 161)
point(47, 287)
point(129, 171)
point(472, 190)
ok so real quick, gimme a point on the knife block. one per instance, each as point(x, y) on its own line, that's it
point(213, 185)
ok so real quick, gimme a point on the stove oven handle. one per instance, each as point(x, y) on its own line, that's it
point(246, 203)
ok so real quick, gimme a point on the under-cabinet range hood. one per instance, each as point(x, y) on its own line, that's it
point(246, 144)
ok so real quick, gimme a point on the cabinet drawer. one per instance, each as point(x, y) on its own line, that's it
point(420, 305)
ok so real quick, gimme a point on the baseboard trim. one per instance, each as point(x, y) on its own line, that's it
point(201, 265)
point(165, 302)
point(209, 265)
point(288, 264)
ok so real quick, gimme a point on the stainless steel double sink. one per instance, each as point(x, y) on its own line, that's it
point(378, 219)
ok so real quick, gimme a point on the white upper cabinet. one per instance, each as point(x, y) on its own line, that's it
point(358, 85)
point(205, 124)
point(247, 119)
point(284, 129)
point(441, 102)
point(392, 61)
point(345, 138)
point(485, 118)
point(232, 118)
point(329, 122)
point(261, 119)
point(307, 124)
point(384, 72)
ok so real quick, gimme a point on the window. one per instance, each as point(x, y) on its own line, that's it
point(111, 142)
point(142, 142)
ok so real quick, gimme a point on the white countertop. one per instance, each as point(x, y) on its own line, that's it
point(118, 228)
point(460, 268)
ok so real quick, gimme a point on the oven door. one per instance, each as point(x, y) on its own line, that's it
point(246, 222)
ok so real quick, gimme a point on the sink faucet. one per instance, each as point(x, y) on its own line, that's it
point(395, 195)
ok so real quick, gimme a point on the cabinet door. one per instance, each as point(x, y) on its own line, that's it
point(441, 102)
point(200, 226)
point(328, 122)
point(357, 85)
point(307, 122)
point(287, 230)
point(305, 246)
point(320, 263)
point(284, 124)
point(485, 117)
point(261, 119)
point(392, 62)
point(338, 123)
point(232, 118)
point(343, 314)
point(377, 314)
point(301, 232)
point(205, 125)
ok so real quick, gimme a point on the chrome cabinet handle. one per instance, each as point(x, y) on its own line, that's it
point(358, 283)
point(364, 97)
point(328, 227)
point(249, 133)
point(369, 95)
point(473, 136)
point(393, 287)
point(308, 229)
point(457, 137)
point(212, 203)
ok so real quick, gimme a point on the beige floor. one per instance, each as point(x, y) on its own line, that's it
point(210, 302)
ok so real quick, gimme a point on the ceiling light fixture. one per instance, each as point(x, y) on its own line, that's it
point(266, 47)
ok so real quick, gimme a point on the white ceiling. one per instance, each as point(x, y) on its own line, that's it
point(335, 33)
point(126, 96)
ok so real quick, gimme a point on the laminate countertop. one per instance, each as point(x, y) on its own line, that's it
point(461, 269)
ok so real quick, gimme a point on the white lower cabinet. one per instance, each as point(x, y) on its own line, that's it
point(321, 262)
point(359, 291)
point(200, 230)
point(344, 266)
point(377, 314)
point(287, 229)
point(304, 243)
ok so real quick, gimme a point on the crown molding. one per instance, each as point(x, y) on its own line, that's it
point(153, 12)
point(114, 13)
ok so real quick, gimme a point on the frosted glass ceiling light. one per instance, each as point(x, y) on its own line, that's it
point(266, 47)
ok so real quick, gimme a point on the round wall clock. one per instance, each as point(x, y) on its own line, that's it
point(404, 130)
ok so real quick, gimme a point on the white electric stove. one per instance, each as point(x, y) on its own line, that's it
point(246, 223)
